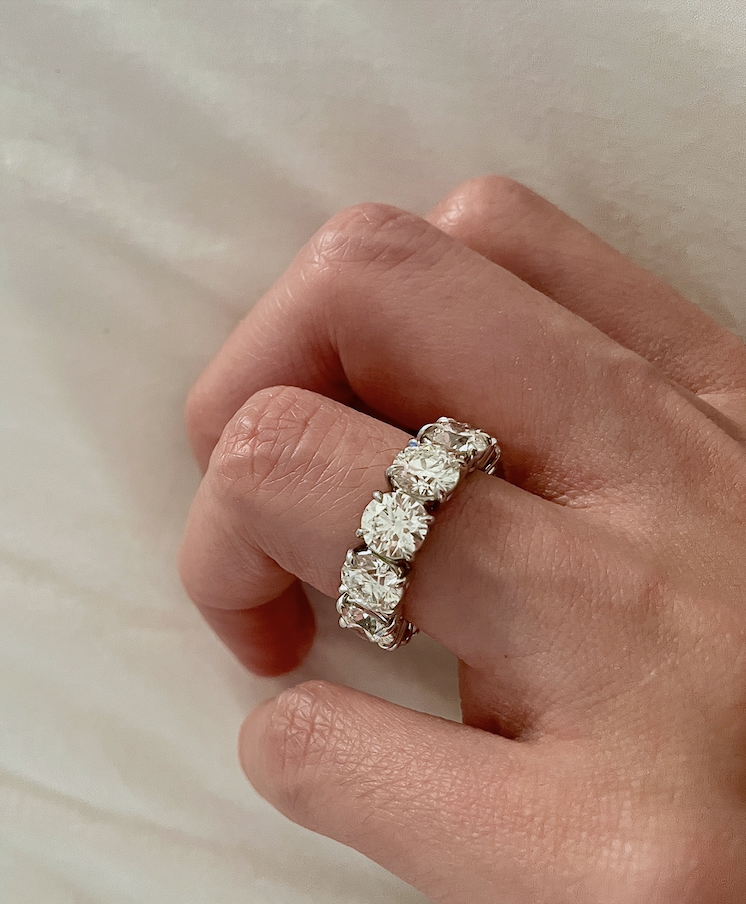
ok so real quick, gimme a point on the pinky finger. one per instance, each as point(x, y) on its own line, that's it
point(444, 806)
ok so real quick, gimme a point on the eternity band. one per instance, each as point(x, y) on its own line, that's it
point(394, 526)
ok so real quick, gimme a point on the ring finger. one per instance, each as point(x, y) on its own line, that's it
point(282, 498)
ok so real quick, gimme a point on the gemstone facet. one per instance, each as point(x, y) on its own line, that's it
point(372, 582)
point(373, 627)
point(456, 437)
point(425, 470)
point(395, 525)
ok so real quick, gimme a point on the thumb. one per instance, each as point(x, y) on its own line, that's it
point(444, 806)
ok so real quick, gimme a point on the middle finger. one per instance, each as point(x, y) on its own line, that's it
point(383, 307)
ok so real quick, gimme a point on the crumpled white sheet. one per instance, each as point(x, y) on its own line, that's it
point(161, 163)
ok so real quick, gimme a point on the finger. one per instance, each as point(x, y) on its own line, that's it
point(417, 794)
point(271, 639)
point(523, 232)
point(495, 581)
point(228, 561)
point(386, 307)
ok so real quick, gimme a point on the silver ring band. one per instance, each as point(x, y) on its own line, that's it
point(394, 526)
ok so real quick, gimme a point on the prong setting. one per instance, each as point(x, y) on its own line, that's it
point(394, 525)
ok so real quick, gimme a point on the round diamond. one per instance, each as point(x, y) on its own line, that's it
point(395, 525)
point(426, 470)
point(371, 581)
point(456, 437)
point(367, 624)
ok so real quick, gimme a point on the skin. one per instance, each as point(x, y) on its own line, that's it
point(595, 596)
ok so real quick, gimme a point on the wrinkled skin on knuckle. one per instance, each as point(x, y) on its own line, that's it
point(320, 756)
point(324, 759)
point(365, 234)
point(300, 743)
point(257, 445)
point(359, 257)
point(486, 199)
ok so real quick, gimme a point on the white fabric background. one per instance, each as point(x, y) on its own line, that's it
point(161, 162)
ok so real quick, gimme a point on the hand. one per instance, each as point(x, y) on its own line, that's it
point(595, 597)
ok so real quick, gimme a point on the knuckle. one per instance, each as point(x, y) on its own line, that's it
point(366, 234)
point(257, 445)
point(490, 197)
point(299, 743)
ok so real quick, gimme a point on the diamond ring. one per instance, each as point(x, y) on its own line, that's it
point(394, 526)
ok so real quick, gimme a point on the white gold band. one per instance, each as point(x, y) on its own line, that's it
point(394, 526)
